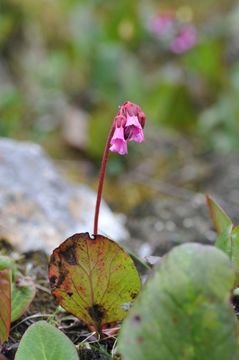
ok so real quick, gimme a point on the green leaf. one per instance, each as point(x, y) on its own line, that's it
point(93, 278)
point(176, 108)
point(211, 70)
point(229, 243)
point(44, 341)
point(8, 263)
point(220, 219)
point(228, 235)
point(5, 304)
point(97, 133)
point(23, 292)
point(184, 310)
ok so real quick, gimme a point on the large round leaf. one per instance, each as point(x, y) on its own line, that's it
point(93, 278)
point(184, 310)
point(44, 341)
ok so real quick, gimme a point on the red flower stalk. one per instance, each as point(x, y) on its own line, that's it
point(127, 126)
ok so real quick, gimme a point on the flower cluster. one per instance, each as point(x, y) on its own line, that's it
point(174, 34)
point(128, 126)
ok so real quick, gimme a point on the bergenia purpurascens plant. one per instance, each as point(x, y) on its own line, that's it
point(127, 126)
point(93, 277)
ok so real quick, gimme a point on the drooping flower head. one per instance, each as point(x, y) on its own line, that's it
point(129, 124)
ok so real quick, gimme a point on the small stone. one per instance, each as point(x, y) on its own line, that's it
point(145, 250)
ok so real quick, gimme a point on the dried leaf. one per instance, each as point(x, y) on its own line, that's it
point(5, 301)
point(93, 279)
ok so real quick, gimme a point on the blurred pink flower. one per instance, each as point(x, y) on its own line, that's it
point(161, 24)
point(129, 124)
point(184, 40)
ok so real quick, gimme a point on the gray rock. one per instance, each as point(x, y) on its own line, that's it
point(38, 208)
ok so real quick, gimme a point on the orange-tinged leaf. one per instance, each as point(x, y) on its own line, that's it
point(5, 302)
point(93, 278)
point(220, 219)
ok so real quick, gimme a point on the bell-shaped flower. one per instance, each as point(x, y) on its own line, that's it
point(118, 142)
point(133, 129)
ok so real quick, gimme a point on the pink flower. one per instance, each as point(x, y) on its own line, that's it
point(162, 24)
point(128, 126)
point(118, 142)
point(133, 129)
point(185, 40)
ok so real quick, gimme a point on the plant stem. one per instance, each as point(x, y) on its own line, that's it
point(101, 178)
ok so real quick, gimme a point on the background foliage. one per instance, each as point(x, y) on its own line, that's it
point(93, 55)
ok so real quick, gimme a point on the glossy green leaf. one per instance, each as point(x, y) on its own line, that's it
point(184, 311)
point(23, 292)
point(44, 341)
point(220, 219)
point(5, 304)
point(93, 278)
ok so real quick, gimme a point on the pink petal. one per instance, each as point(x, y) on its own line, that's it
point(133, 121)
point(120, 147)
point(118, 134)
point(118, 142)
point(133, 129)
point(138, 137)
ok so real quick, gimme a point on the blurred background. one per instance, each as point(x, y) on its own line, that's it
point(177, 59)
point(66, 65)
